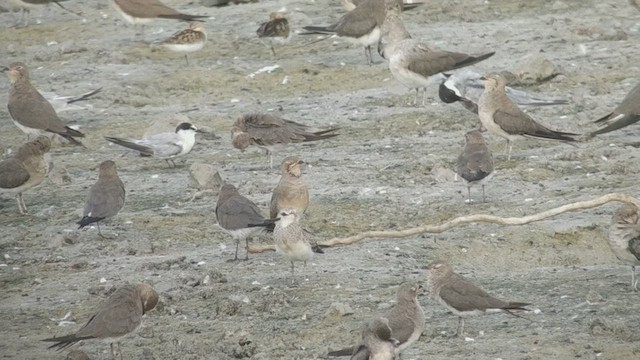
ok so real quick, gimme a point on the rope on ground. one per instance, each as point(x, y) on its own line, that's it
point(462, 220)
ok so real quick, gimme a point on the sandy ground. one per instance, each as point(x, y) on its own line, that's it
point(387, 170)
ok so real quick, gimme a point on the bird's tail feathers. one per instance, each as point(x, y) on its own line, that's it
point(64, 342)
point(185, 17)
point(131, 145)
point(343, 352)
point(86, 220)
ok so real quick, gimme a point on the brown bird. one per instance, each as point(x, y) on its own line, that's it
point(624, 238)
point(406, 321)
point(263, 130)
point(25, 170)
point(293, 241)
point(106, 197)
point(291, 191)
point(30, 111)
point(187, 40)
point(499, 115)
point(352, 4)
point(627, 113)
point(235, 213)
point(145, 11)
point(462, 297)
point(276, 30)
point(475, 164)
point(414, 63)
point(118, 316)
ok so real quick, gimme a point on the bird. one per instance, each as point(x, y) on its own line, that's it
point(377, 339)
point(625, 114)
point(235, 213)
point(276, 30)
point(360, 25)
point(475, 164)
point(264, 130)
point(106, 197)
point(466, 87)
point(30, 111)
point(500, 116)
point(145, 11)
point(291, 191)
point(624, 238)
point(26, 169)
point(406, 321)
point(293, 241)
point(414, 63)
point(187, 40)
point(25, 6)
point(119, 315)
point(165, 146)
point(462, 297)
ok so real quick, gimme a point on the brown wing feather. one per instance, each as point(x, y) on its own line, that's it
point(12, 174)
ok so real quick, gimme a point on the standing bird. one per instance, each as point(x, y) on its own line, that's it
point(145, 11)
point(360, 25)
point(26, 169)
point(120, 315)
point(25, 6)
point(462, 297)
point(264, 130)
point(293, 241)
point(499, 115)
point(165, 146)
point(467, 86)
point(627, 113)
point(475, 164)
point(414, 63)
point(352, 4)
point(624, 238)
point(291, 191)
point(405, 320)
point(187, 40)
point(106, 197)
point(30, 111)
point(276, 30)
point(235, 213)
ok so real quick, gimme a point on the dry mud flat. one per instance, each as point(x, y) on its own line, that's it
point(387, 170)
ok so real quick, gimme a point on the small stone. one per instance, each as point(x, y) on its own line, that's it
point(339, 309)
point(536, 69)
point(204, 176)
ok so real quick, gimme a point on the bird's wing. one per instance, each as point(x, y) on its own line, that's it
point(269, 130)
point(106, 198)
point(163, 145)
point(465, 296)
point(356, 23)
point(237, 212)
point(12, 174)
point(120, 314)
point(274, 28)
point(30, 108)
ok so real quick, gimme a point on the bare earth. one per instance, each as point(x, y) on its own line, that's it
point(387, 170)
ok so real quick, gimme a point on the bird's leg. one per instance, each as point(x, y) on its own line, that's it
point(483, 198)
point(246, 247)
point(113, 353)
point(469, 193)
point(293, 278)
point(367, 53)
point(22, 208)
point(415, 101)
point(273, 51)
point(186, 58)
point(634, 282)
point(424, 96)
point(460, 331)
point(235, 258)
point(510, 144)
point(119, 350)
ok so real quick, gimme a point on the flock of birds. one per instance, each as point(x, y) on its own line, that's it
point(410, 61)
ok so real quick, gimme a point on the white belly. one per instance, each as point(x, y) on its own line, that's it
point(369, 39)
point(185, 48)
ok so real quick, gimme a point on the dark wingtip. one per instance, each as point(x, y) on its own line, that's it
point(88, 220)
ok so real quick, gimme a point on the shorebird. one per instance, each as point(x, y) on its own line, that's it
point(291, 191)
point(27, 169)
point(236, 214)
point(106, 197)
point(352, 4)
point(462, 297)
point(165, 146)
point(25, 6)
point(120, 315)
point(30, 111)
point(360, 25)
point(627, 113)
point(293, 241)
point(414, 63)
point(466, 87)
point(624, 238)
point(187, 40)
point(406, 321)
point(145, 11)
point(475, 164)
point(500, 116)
point(263, 130)
point(276, 30)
